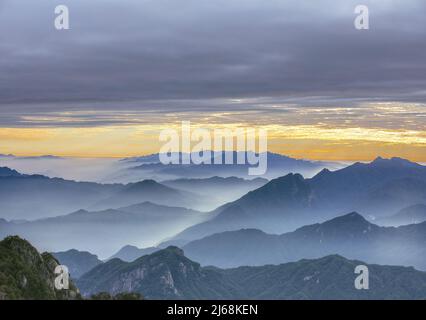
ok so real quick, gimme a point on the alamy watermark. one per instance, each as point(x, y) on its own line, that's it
point(62, 280)
point(362, 281)
point(62, 20)
point(214, 147)
point(362, 20)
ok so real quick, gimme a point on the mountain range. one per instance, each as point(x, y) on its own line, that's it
point(24, 196)
point(104, 232)
point(279, 206)
point(150, 190)
point(168, 274)
point(350, 235)
point(33, 196)
point(288, 238)
point(376, 189)
point(277, 165)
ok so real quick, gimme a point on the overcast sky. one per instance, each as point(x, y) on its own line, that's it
point(144, 55)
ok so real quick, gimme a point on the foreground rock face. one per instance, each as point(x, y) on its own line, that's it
point(168, 274)
point(27, 274)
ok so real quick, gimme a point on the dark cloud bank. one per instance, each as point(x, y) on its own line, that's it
point(144, 54)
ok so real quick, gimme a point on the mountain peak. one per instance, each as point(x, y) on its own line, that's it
point(174, 250)
point(323, 173)
point(7, 172)
point(129, 247)
point(289, 187)
point(353, 217)
point(80, 212)
point(378, 159)
point(289, 179)
point(144, 185)
point(142, 205)
point(18, 244)
point(148, 182)
point(335, 231)
point(171, 251)
point(351, 223)
point(293, 176)
point(395, 161)
point(147, 185)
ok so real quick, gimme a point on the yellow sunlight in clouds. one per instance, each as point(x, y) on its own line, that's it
point(301, 141)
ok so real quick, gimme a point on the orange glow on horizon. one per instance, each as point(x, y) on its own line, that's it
point(308, 142)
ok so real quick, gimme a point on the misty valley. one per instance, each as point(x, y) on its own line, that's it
point(222, 237)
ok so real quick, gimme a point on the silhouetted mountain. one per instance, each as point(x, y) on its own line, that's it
point(77, 262)
point(245, 247)
point(286, 203)
point(277, 165)
point(105, 232)
point(131, 253)
point(409, 215)
point(350, 235)
point(168, 274)
point(282, 203)
point(7, 172)
point(217, 190)
point(26, 274)
point(367, 187)
point(165, 274)
point(149, 190)
point(35, 196)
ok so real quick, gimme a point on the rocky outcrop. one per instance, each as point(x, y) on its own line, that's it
point(25, 274)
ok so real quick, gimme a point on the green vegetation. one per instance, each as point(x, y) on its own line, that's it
point(27, 274)
point(168, 274)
